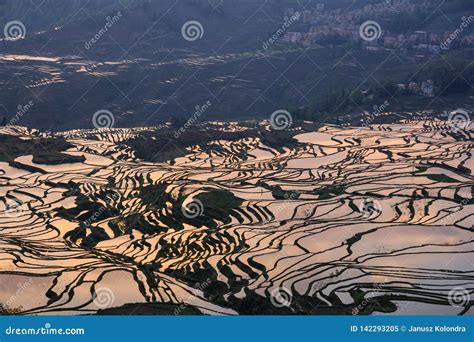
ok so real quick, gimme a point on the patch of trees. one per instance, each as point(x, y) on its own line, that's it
point(328, 107)
point(450, 77)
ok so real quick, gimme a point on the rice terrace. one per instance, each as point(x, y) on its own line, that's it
point(241, 219)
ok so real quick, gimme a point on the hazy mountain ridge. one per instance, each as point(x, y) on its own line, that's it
point(145, 72)
point(47, 14)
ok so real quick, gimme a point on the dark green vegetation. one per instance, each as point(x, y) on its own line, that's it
point(165, 145)
point(218, 205)
point(452, 78)
point(89, 210)
point(49, 158)
point(6, 311)
point(44, 150)
point(372, 305)
point(442, 178)
point(278, 192)
point(330, 191)
point(145, 309)
point(217, 208)
point(254, 304)
point(279, 139)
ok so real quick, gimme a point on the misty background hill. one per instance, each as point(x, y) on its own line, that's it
point(144, 72)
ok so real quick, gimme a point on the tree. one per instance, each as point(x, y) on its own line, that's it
point(177, 122)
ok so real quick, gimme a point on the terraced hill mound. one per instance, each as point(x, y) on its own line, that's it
point(230, 219)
